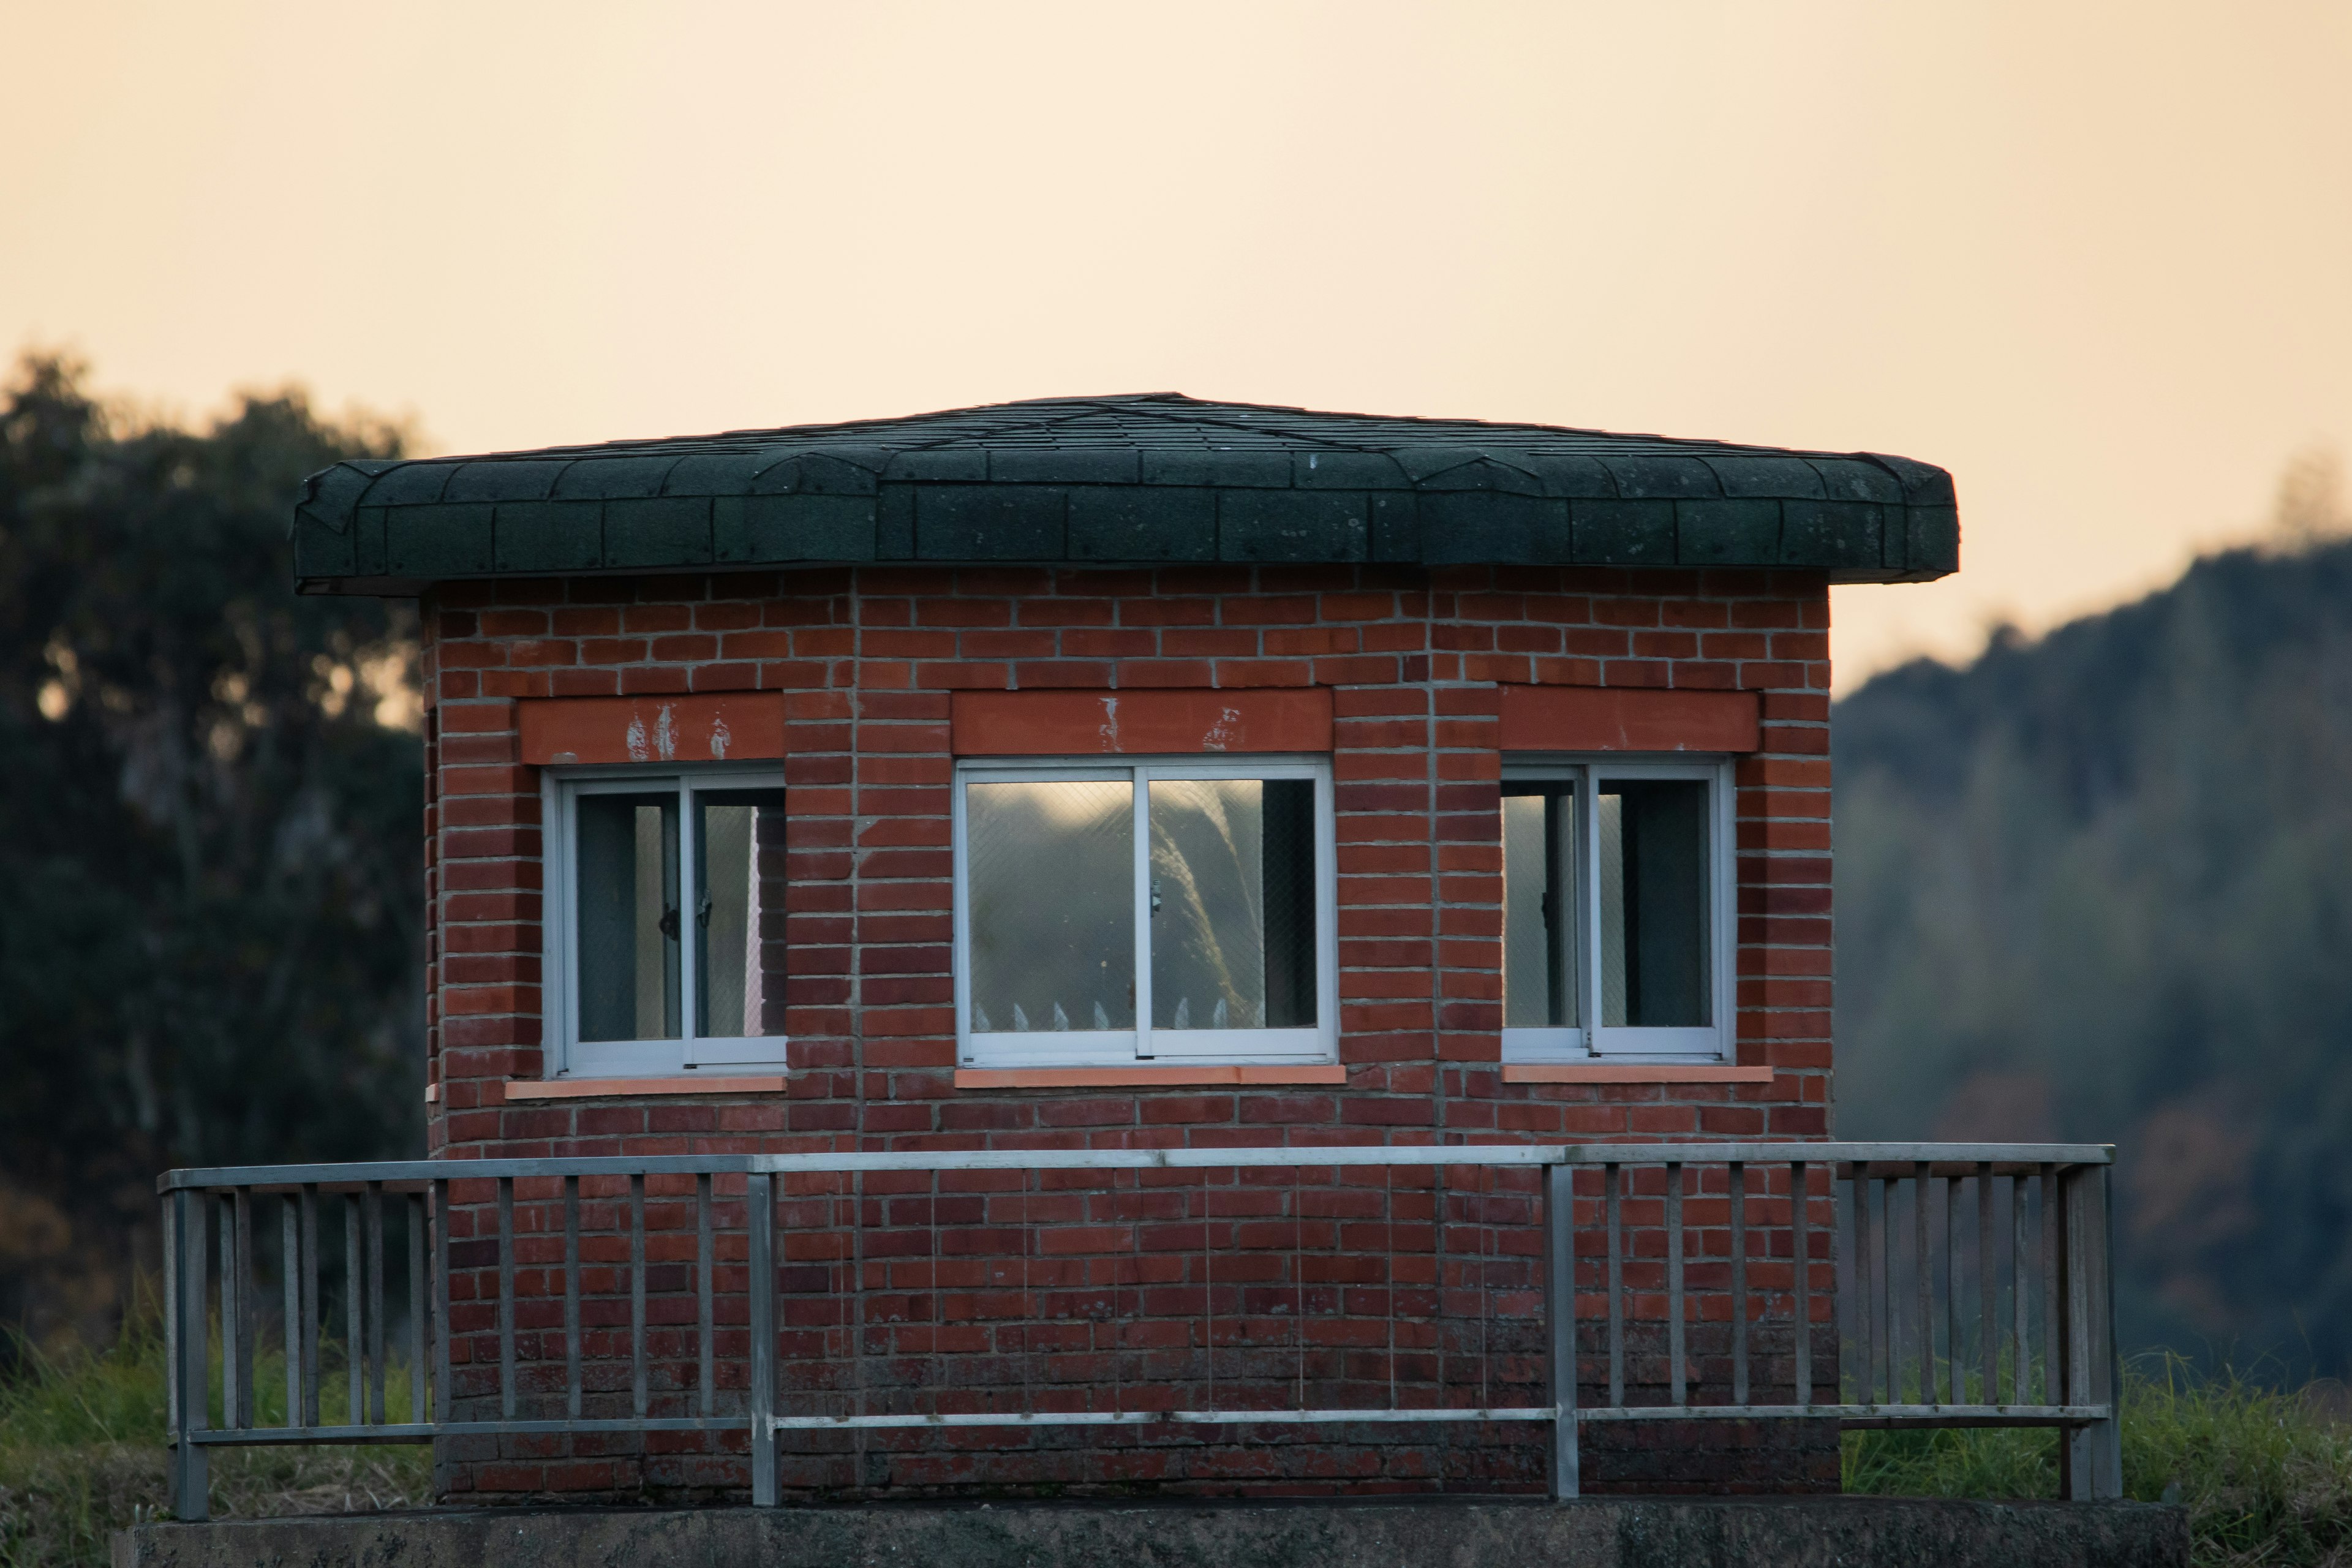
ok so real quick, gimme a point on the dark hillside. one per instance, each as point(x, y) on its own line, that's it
point(2099, 886)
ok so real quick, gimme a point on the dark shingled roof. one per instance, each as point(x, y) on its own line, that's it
point(1124, 481)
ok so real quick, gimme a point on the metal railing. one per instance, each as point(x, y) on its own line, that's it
point(786, 1297)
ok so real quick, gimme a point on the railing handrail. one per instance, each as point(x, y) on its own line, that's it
point(1685, 1151)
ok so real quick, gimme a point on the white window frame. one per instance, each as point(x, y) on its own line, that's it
point(1143, 1045)
point(1587, 1040)
point(565, 1055)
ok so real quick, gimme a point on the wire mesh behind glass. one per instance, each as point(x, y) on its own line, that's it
point(1050, 869)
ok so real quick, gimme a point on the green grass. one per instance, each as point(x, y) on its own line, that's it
point(82, 1454)
point(2267, 1476)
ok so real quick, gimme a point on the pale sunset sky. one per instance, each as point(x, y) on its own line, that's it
point(2094, 258)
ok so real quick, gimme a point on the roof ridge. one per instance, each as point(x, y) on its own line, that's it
point(1288, 421)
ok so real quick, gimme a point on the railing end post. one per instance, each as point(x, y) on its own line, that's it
point(191, 1476)
point(2095, 1461)
point(191, 1481)
point(2100, 1462)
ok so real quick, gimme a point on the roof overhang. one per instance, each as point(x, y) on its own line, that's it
point(1124, 481)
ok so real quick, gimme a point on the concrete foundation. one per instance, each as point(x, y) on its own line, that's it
point(1694, 1532)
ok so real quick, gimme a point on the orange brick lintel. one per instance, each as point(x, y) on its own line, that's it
point(656, 729)
point(630, 1088)
point(1164, 720)
point(1633, 1072)
point(1143, 1076)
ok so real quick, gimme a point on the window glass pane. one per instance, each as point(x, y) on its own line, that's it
point(740, 881)
point(1540, 956)
point(628, 917)
point(1232, 900)
point(1654, 903)
point(1051, 880)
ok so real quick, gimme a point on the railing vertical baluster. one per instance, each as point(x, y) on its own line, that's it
point(416, 1318)
point(1439, 1211)
point(243, 1203)
point(442, 1333)
point(2020, 1271)
point(1883, 1252)
point(1208, 1294)
point(313, 1321)
point(759, 1217)
point(379, 1299)
point(1122, 1270)
point(1674, 1282)
point(1029, 1301)
point(232, 1371)
point(1954, 1378)
point(937, 1374)
point(1389, 1273)
point(637, 1295)
point(571, 1389)
point(1987, 1292)
point(1800, 1254)
point(1866, 1306)
point(2075, 1186)
point(2045, 1187)
point(289, 1284)
point(1611, 1179)
point(506, 1299)
point(1739, 1283)
point(1925, 1286)
point(857, 1303)
point(1298, 1293)
point(354, 1316)
point(191, 1483)
point(703, 1282)
point(1559, 1317)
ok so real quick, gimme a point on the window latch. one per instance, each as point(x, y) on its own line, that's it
point(1155, 895)
point(668, 925)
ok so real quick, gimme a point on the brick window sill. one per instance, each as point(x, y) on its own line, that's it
point(1327, 1074)
point(1145, 1078)
point(1633, 1072)
point(631, 1087)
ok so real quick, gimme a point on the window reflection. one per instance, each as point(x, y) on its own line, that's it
point(1654, 919)
point(1232, 904)
point(1051, 873)
point(628, 917)
point(740, 953)
point(1541, 908)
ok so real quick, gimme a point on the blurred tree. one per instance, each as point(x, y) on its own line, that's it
point(2099, 886)
point(210, 882)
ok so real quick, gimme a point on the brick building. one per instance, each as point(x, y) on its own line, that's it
point(1121, 773)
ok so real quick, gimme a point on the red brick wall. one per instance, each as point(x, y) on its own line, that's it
point(867, 661)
